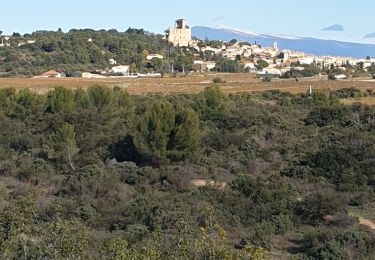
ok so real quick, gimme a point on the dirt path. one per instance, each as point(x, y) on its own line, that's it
point(361, 220)
point(197, 183)
point(366, 222)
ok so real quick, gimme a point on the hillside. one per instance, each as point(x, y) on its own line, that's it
point(77, 50)
point(304, 44)
point(100, 174)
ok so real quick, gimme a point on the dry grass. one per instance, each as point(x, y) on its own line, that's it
point(366, 101)
point(365, 214)
point(234, 83)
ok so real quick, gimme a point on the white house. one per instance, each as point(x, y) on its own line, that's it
point(296, 54)
point(270, 71)
point(299, 68)
point(112, 61)
point(307, 60)
point(210, 65)
point(367, 64)
point(255, 49)
point(121, 69)
point(270, 51)
point(152, 56)
point(5, 43)
point(209, 48)
point(285, 70)
point(200, 62)
point(341, 76)
point(26, 42)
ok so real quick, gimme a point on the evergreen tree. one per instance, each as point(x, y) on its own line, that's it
point(61, 99)
point(185, 137)
point(154, 130)
point(125, 103)
point(212, 102)
point(64, 146)
point(102, 99)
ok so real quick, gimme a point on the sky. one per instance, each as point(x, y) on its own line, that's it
point(346, 20)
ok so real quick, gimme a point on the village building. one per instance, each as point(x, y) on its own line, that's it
point(270, 71)
point(308, 60)
point(341, 76)
point(4, 41)
point(210, 65)
point(112, 61)
point(51, 74)
point(208, 48)
point(121, 69)
point(200, 65)
point(180, 34)
point(152, 56)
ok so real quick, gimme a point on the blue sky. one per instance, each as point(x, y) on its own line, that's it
point(348, 20)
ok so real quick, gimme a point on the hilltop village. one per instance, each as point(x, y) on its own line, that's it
point(176, 52)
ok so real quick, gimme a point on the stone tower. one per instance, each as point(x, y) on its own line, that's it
point(180, 34)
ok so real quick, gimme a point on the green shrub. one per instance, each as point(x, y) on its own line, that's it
point(218, 80)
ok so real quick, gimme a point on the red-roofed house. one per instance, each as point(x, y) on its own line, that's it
point(51, 74)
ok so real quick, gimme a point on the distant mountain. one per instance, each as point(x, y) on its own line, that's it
point(305, 44)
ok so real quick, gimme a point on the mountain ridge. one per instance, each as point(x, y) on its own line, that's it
point(310, 45)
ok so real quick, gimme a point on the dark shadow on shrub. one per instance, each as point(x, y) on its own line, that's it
point(125, 150)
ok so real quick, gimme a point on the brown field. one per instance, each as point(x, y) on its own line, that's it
point(234, 83)
point(366, 101)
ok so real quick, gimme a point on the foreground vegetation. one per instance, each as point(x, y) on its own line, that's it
point(101, 174)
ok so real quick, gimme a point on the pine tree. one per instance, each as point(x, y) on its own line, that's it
point(185, 138)
point(102, 99)
point(64, 146)
point(61, 99)
point(212, 102)
point(154, 130)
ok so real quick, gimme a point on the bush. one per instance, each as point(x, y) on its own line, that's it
point(331, 76)
point(348, 93)
point(337, 244)
point(267, 79)
point(218, 80)
point(230, 66)
point(317, 205)
point(322, 245)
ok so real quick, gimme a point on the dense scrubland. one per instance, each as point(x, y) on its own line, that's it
point(98, 173)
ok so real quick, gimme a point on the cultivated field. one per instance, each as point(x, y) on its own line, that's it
point(233, 83)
